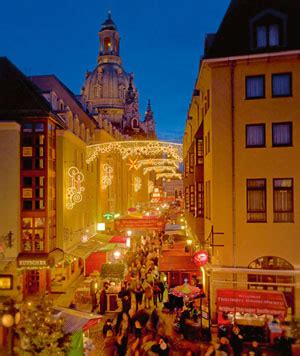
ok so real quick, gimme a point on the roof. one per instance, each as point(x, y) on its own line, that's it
point(75, 320)
point(108, 24)
point(226, 43)
point(20, 98)
point(47, 83)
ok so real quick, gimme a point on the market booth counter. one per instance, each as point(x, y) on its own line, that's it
point(252, 311)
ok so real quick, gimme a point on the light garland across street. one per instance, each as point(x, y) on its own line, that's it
point(169, 175)
point(136, 148)
point(159, 169)
point(158, 162)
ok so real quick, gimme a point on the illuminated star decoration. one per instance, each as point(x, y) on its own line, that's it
point(132, 164)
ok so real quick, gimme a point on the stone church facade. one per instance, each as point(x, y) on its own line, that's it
point(109, 93)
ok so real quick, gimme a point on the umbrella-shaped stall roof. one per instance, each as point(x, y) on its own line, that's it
point(186, 290)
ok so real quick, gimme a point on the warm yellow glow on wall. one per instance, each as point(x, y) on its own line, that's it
point(75, 189)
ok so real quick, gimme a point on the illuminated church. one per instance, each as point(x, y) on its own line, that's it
point(109, 93)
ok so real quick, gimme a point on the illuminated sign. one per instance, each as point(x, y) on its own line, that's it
point(200, 258)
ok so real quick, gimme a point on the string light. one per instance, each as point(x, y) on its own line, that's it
point(135, 148)
point(74, 191)
point(132, 164)
point(150, 186)
point(137, 184)
point(158, 162)
point(169, 175)
point(159, 169)
point(107, 176)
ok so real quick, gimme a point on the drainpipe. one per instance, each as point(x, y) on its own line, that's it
point(232, 77)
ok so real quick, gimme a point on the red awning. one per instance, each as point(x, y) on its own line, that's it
point(118, 240)
point(250, 301)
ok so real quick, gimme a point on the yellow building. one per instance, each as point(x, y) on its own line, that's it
point(241, 137)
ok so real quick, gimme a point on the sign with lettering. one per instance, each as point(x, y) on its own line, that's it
point(140, 224)
point(254, 302)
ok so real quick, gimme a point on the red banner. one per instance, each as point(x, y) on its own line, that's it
point(248, 301)
point(140, 224)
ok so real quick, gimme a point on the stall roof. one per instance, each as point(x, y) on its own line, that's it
point(251, 301)
point(108, 247)
point(118, 239)
point(172, 227)
point(75, 320)
point(84, 249)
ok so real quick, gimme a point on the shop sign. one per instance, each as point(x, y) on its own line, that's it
point(200, 258)
point(140, 224)
point(35, 262)
point(255, 302)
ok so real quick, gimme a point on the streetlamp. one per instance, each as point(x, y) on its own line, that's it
point(9, 318)
point(117, 254)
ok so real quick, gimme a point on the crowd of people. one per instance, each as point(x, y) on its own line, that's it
point(138, 329)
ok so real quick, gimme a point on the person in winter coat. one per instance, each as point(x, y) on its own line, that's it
point(138, 292)
point(236, 341)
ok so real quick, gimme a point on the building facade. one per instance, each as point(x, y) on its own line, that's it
point(52, 197)
point(241, 146)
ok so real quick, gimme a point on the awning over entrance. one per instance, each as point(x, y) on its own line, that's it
point(34, 260)
point(75, 320)
point(84, 249)
point(250, 301)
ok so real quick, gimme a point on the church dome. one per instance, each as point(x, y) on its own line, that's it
point(106, 85)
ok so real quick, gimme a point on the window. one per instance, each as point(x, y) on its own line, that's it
point(186, 198)
point(283, 200)
point(200, 199)
point(199, 149)
point(255, 87)
point(192, 198)
point(191, 161)
point(256, 200)
point(282, 134)
point(255, 135)
point(186, 167)
point(281, 85)
point(267, 36)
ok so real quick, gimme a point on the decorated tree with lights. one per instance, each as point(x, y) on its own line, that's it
point(40, 332)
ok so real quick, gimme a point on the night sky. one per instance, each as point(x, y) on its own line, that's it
point(161, 43)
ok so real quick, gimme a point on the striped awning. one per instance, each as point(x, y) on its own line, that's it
point(75, 320)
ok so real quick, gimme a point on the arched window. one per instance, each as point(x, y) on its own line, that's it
point(272, 281)
point(76, 126)
point(134, 124)
point(107, 45)
point(82, 131)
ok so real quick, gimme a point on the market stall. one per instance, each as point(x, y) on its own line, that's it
point(252, 310)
